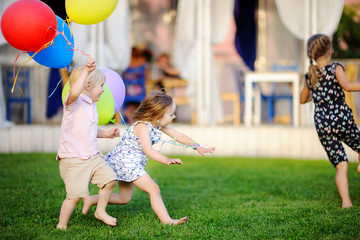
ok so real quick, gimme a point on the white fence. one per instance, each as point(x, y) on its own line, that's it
point(260, 141)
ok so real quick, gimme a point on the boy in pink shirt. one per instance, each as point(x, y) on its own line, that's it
point(80, 160)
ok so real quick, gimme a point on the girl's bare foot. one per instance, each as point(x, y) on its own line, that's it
point(346, 205)
point(177, 222)
point(87, 203)
point(109, 220)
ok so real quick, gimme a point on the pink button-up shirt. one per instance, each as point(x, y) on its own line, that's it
point(79, 128)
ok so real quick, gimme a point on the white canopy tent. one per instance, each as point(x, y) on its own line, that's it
point(108, 41)
point(304, 18)
point(199, 24)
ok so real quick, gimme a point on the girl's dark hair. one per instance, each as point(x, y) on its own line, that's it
point(317, 46)
point(153, 107)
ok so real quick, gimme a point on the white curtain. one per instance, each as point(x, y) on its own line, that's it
point(192, 53)
point(326, 15)
point(108, 41)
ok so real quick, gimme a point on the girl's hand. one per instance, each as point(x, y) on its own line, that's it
point(113, 133)
point(90, 65)
point(202, 150)
point(174, 161)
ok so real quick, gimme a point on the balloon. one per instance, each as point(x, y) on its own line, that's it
point(28, 24)
point(89, 11)
point(105, 106)
point(60, 53)
point(116, 85)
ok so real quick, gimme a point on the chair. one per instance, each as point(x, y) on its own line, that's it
point(271, 97)
point(236, 97)
point(178, 88)
point(134, 80)
point(351, 71)
point(21, 94)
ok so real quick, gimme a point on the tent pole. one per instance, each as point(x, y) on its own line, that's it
point(199, 62)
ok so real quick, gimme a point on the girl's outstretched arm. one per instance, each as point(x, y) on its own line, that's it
point(142, 132)
point(344, 81)
point(183, 139)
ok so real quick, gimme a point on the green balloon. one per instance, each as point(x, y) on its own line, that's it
point(105, 107)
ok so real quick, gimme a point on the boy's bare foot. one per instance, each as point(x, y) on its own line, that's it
point(109, 220)
point(346, 205)
point(177, 222)
point(61, 227)
point(87, 203)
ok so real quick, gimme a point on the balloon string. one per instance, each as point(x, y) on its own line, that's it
point(122, 119)
point(48, 44)
point(173, 142)
point(73, 46)
point(68, 21)
point(31, 57)
point(57, 85)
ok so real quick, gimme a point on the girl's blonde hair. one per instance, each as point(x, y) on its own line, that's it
point(153, 107)
point(95, 77)
point(317, 46)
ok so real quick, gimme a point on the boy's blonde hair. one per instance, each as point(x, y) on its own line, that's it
point(95, 77)
point(153, 107)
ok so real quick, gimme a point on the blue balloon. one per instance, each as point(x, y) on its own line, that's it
point(60, 53)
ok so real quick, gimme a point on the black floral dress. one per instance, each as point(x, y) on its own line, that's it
point(333, 118)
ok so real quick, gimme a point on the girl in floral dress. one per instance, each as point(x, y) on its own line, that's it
point(334, 122)
point(128, 159)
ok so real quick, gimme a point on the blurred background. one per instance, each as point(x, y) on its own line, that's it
point(200, 51)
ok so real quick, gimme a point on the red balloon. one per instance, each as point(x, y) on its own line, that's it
point(28, 24)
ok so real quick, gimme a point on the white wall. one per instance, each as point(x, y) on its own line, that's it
point(262, 141)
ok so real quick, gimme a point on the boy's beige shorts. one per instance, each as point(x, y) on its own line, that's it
point(78, 173)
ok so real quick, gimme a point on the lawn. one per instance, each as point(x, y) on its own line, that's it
point(224, 198)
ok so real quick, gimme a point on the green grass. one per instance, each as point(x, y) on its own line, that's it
point(224, 198)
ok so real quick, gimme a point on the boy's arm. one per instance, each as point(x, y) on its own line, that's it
point(112, 133)
point(79, 84)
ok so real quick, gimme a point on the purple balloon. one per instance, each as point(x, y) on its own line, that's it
point(117, 87)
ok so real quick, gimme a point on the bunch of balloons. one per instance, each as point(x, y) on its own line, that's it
point(32, 26)
point(111, 99)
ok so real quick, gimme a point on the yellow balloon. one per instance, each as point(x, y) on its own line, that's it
point(105, 107)
point(89, 11)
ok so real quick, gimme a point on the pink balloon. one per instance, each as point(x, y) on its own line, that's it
point(116, 85)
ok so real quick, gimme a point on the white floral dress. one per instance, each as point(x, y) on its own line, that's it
point(128, 159)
